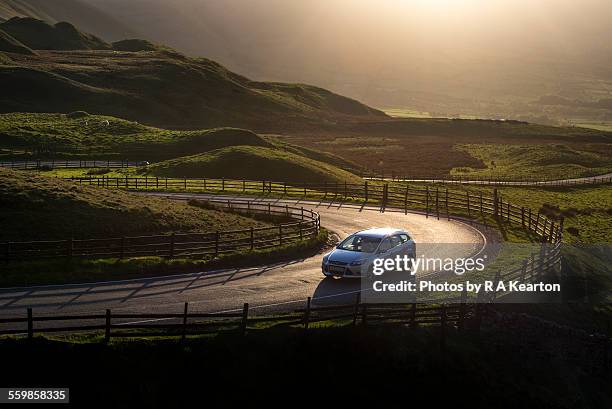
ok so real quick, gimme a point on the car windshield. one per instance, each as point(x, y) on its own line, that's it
point(360, 243)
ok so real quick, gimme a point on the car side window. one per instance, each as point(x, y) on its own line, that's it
point(385, 245)
point(395, 241)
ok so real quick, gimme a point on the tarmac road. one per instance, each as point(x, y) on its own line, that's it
point(283, 286)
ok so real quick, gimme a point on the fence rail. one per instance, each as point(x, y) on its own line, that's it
point(186, 322)
point(304, 224)
point(70, 164)
point(491, 180)
point(434, 202)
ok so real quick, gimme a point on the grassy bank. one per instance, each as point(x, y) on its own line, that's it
point(35, 207)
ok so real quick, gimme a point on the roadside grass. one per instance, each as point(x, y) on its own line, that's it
point(587, 209)
point(536, 162)
point(67, 271)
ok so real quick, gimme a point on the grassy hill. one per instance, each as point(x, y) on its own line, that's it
point(157, 86)
point(41, 35)
point(431, 147)
point(253, 163)
point(11, 45)
point(548, 161)
point(90, 18)
point(83, 135)
point(39, 208)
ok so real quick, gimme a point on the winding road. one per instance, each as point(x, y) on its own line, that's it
point(283, 286)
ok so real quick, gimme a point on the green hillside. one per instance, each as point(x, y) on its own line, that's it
point(136, 45)
point(157, 86)
point(550, 161)
point(39, 208)
point(40, 35)
point(82, 135)
point(253, 163)
point(11, 45)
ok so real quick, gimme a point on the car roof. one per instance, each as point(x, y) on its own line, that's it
point(380, 232)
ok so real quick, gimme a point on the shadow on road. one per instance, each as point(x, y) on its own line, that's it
point(332, 291)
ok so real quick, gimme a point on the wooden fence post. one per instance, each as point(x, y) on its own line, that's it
point(107, 332)
point(307, 314)
point(30, 324)
point(427, 202)
point(437, 203)
point(523, 271)
point(364, 315)
point(385, 195)
point(280, 234)
point(462, 308)
point(356, 308)
point(216, 243)
point(365, 189)
point(443, 326)
point(495, 203)
point(446, 201)
point(252, 239)
point(184, 334)
point(245, 318)
point(122, 251)
point(406, 201)
point(529, 220)
point(468, 203)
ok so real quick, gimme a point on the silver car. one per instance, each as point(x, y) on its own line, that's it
point(355, 254)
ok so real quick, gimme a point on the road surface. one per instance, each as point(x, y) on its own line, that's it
point(283, 286)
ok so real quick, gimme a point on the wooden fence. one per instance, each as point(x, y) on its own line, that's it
point(434, 202)
point(185, 323)
point(304, 224)
point(69, 164)
point(494, 180)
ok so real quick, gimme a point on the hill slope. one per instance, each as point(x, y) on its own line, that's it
point(40, 35)
point(159, 87)
point(10, 45)
point(39, 208)
point(90, 18)
point(102, 137)
point(253, 163)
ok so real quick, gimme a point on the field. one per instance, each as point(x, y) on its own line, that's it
point(599, 125)
point(423, 147)
point(537, 162)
